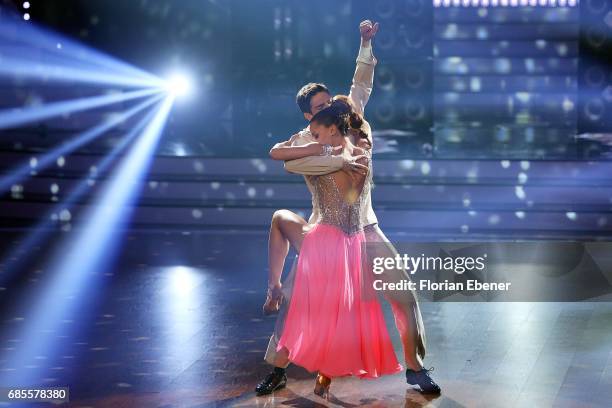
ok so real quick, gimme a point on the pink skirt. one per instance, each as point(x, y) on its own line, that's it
point(335, 323)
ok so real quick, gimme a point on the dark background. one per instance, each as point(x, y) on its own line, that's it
point(452, 82)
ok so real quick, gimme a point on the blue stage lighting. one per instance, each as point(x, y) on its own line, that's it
point(78, 262)
point(36, 44)
point(17, 117)
point(30, 67)
point(179, 307)
point(12, 261)
point(179, 85)
point(21, 172)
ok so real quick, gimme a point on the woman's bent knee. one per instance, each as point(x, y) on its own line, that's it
point(279, 215)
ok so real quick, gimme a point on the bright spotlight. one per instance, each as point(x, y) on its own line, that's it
point(179, 85)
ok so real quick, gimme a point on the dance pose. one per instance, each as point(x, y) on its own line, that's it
point(334, 323)
point(311, 99)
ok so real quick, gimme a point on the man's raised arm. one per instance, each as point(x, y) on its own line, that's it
point(363, 80)
point(361, 88)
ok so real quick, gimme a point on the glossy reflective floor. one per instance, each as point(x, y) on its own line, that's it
point(177, 323)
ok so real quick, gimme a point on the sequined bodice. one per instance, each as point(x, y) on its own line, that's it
point(342, 209)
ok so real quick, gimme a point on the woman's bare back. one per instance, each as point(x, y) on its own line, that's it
point(339, 196)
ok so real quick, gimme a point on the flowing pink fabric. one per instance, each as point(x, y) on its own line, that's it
point(331, 325)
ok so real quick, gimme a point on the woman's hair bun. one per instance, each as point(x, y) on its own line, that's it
point(355, 120)
point(342, 114)
point(341, 107)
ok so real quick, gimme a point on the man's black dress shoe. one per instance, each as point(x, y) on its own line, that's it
point(421, 378)
point(274, 381)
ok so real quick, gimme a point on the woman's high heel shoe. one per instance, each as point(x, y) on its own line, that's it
point(322, 384)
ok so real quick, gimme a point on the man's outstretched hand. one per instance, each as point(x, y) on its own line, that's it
point(368, 30)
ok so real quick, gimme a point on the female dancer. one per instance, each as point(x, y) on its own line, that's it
point(334, 323)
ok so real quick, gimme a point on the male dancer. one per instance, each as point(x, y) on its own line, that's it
point(311, 99)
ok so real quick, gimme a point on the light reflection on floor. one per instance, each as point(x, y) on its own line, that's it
point(180, 326)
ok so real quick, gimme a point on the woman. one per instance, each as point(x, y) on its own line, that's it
point(334, 323)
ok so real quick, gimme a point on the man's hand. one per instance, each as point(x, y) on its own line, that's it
point(274, 298)
point(351, 165)
point(367, 31)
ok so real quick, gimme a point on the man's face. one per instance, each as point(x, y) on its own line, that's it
point(318, 102)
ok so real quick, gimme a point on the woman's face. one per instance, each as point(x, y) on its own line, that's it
point(322, 134)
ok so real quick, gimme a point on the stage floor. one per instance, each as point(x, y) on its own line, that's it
point(177, 323)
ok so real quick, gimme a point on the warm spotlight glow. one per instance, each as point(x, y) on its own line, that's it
point(179, 85)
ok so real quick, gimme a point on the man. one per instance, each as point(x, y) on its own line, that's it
point(311, 99)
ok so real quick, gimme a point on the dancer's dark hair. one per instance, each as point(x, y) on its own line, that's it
point(342, 114)
point(306, 93)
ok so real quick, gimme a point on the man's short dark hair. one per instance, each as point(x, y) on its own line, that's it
point(306, 93)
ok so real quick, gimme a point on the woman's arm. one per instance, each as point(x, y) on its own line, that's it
point(284, 150)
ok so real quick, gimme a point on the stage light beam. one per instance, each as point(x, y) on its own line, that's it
point(16, 117)
point(34, 42)
point(15, 257)
point(78, 262)
point(22, 171)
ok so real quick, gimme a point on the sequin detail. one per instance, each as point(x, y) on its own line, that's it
point(342, 209)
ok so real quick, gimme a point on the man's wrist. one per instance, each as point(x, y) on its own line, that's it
point(272, 285)
point(365, 53)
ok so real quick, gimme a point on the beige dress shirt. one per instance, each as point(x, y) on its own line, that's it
point(361, 88)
